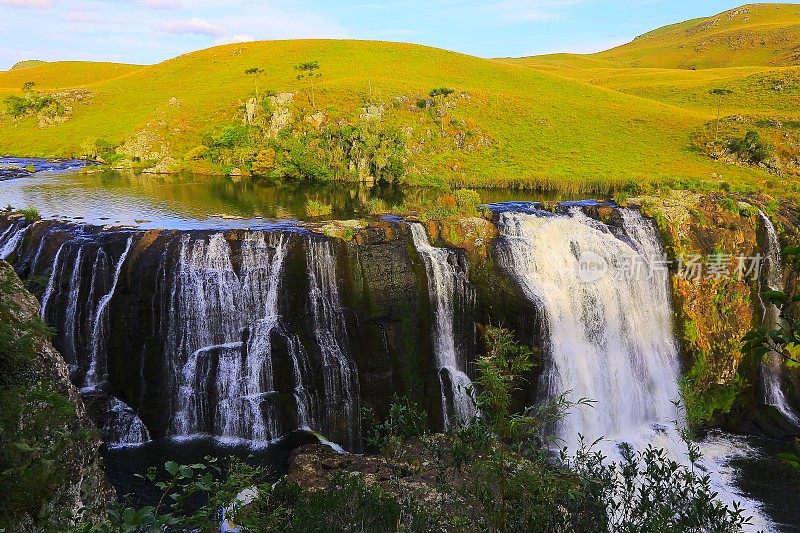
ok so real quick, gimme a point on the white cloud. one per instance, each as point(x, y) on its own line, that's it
point(235, 39)
point(78, 16)
point(194, 26)
point(161, 4)
point(27, 4)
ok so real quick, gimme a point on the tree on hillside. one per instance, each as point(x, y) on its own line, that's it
point(719, 92)
point(439, 95)
point(256, 73)
point(309, 71)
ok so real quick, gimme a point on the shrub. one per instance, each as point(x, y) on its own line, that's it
point(264, 163)
point(750, 148)
point(729, 204)
point(17, 106)
point(318, 208)
point(348, 503)
point(30, 213)
point(376, 206)
point(404, 421)
point(468, 201)
point(196, 153)
point(98, 148)
point(32, 102)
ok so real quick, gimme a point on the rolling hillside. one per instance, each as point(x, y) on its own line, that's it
point(751, 35)
point(568, 122)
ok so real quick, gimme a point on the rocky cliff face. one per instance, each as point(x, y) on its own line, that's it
point(717, 301)
point(52, 477)
point(205, 332)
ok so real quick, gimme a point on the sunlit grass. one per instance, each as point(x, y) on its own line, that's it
point(573, 124)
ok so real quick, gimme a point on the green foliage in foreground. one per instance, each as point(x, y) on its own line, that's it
point(495, 468)
point(36, 429)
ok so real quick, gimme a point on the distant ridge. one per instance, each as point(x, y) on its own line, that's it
point(747, 36)
point(27, 63)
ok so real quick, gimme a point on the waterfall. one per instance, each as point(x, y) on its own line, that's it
point(771, 369)
point(230, 347)
point(446, 280)
point(51, 282)
point(214, 307)
point(11, 237)
point(610, 340)
point(609, 333)
point(125, 428)
point(343, 411)
point(99, 344)
point(80, 313)
point(71, 324)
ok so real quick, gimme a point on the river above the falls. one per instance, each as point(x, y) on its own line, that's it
point(59, 190)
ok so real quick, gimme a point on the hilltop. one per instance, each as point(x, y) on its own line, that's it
point(750, 35)
point(578, 123)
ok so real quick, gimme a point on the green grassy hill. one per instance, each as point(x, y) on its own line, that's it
point(62, 74)
point(568, 122)
point(751, 35)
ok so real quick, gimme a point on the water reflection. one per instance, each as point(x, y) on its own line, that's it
point(190, 201)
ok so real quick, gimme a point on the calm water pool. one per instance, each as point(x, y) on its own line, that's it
point(190, 202)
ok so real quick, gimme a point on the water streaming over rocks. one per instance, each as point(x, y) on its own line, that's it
point(609, 331)
point(97, 372)
point(82, 280)
point(342, 404)
point(251, 335)
point(772, 369)
point(609, 339)
point(243, 371)
point(11, 237)
point(447, 279)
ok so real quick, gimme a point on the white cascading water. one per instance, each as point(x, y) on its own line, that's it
point(771, 278)
point(220, 342)
point(10, 239)
point(215, 307)
point(98, 362)
point(339, 373)
point(70, 349)
point(609, 339)
point(445, 278)
point(51, 282)
point(125, 427)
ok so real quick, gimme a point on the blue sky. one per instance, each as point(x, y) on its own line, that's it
point(148, 31)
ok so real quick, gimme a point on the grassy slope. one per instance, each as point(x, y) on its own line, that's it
point(752, 35)
point(653, 66)
point(563, 119)
point(749, 50)
point(63, 74)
